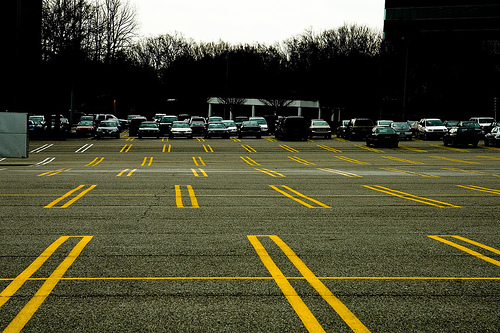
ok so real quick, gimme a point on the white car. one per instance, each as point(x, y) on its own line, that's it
point(384, 123)
point(429, 128)
point(231, 127)
point(180, 129)
point(319, 127)
point(264, 129)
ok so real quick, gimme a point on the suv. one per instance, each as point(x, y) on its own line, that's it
point(462, 135)
point(431, 128)
point(319, 127)
point(292, 128)
point(358, 128)
point(486, 123)
point(107, 128)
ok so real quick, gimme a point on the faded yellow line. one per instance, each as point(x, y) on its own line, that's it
point(412, 197)
point(304, 313)
point(410, 172)
point(350, 160)
point(401, 160)
point(22, 318)
point(450, 148)
point(453, 160)
point(53, 203)
point(369, 148)
point(413, 149)
point(472, 171)
point(248, 160)
point(481, 189)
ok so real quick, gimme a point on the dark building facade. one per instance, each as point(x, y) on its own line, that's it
point(474, 19)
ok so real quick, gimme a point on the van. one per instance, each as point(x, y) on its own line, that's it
point(292, 128)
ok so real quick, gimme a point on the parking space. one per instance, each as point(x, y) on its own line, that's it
point(249, 235)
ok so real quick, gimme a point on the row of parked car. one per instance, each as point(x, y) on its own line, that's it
point(451, 132)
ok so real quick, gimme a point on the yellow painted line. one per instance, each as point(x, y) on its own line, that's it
point(341, 140)
point(271, 139)
point(472, 171)
point(130, 139)
point(271, 173)
point(491, 158)
point(349, 318)
point(18, 282)
point(235, 139)
point(55, 202)
point(52, 173)
point(121, 173)
point(300, 160)
point(208, 149)
point(195, 173)
point(369, 148)
point(339, 172)
point(329, 148)
point(200, 139)
point(81, 194)
point(412, 197)
point(95, 161)
point(126, 148)
point(198, 161)
point(145, 161)
point(165, 149)
point(413, 149)
point(288, 195)
point(492, 148)
point(131, 172)
point(401, 160)
point(89, 164)
point(451, 148)
point(453, 160)
point(192, 196)
point(248, 160)
point(410, 172)
point(304, 313)
point(481, 189)
point(467, 250)
point(27, 312)
point(350, 160)
point(249, 149)
point(293, 150)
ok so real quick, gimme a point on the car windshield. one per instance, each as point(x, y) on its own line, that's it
point(320, 123)
point(168, 119)
point(385, 130)
point(107, 124)
point(486, 120)
point(229, 123)
point(198, 123)
point(363, 122)
point(214, 119)
point(466, 129)
point(216, 125)
point(400, 125)
point(149, 125)
point(470, 124)
point(85, 123)
point(250, 123)
point(435, 122)
point(259, 120)
point(385, 122)
point(180, 125)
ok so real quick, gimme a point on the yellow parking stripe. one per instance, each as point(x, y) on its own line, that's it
point(481, 189)
point(410, 172)
point(369, 148)
point(329, 148)
point(271, 173)
point(248, 160)
point(467, 250)
point(343, 173)
point(413, 149)
point(453, 160)
point(72, 201)
point(412, 197)
point(472, 171)
point(288, 195)
point(22, 318)
point(300, 160)
point(293, 150)
point(208, 149)
point(192, 197)
point(350, 160)
point(401, 160)
point(249, 149)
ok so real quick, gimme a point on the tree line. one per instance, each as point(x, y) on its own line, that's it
point(91, 50)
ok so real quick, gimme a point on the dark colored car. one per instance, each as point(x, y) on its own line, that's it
point(107, 128)
point(358, 128)
point(166, 123)
point(464, 134)
point(199, 128)
point(216, 129)
point(493, 138)
point(341, 129)
point(292, 128)
point(249, 128)
point(239, 119)
point(382, 136)
point(450, 123)
point(148, 128)
point(133, 128)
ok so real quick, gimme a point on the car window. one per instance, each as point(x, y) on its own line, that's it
point(320, 123)
point(436, 122)
point(180, 125)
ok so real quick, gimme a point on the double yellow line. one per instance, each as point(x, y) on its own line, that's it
point(192, 197)
point(300, 307)
point(52, 173)
point(481, 189)
point(27, 312)
point(295, 195)
point(329, 148)
point(300, 160)
point(293, 150)
point(270, 172)
point(476, 254)
point(95, 162)
point(249, 160)
point(409, 196)
point(249, 148)
point(67, 194)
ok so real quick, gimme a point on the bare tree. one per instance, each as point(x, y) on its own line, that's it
point(120, 26)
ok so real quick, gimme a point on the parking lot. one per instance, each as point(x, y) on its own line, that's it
point(250, 235)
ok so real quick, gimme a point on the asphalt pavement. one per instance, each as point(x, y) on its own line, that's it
point(250, 235)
